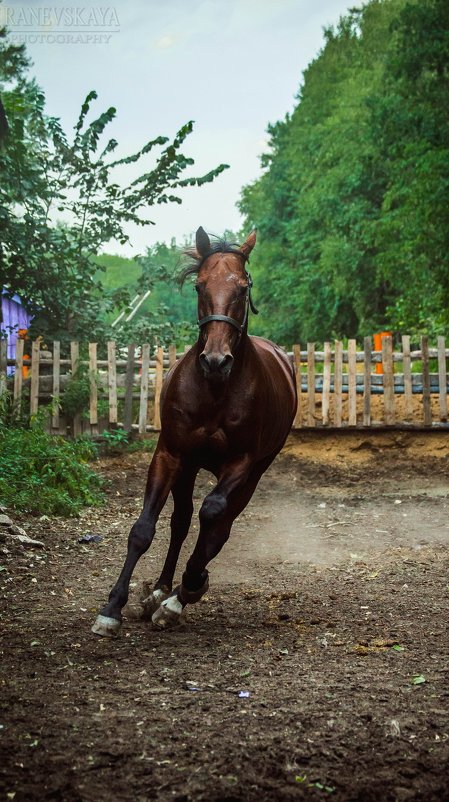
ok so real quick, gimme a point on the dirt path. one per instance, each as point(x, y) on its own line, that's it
point(328, 609)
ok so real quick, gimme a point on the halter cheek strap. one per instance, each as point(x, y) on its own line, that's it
point(225, 319)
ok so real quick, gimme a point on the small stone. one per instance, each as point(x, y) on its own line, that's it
point(5, 520)
point(17, 530)
point(24, 540)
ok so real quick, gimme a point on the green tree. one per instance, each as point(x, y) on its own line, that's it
point(352, 205)
point(411, 124)
point(60, 202)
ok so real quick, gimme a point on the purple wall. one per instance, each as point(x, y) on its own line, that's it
point(15, 317)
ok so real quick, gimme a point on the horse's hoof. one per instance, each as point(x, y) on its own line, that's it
point(152, 603)
point(106, 627)
point(169, 612)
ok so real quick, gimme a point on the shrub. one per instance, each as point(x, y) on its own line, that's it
point(44, 474)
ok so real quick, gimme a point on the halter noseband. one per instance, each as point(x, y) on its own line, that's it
point(225, 319)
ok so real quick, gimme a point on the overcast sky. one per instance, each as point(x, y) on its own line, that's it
point(232, 66)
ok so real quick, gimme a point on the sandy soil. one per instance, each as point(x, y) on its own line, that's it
point(328, 608)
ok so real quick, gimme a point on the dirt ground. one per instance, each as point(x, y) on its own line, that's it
point(328, 609)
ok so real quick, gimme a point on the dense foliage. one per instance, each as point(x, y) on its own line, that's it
point(353, 206)
point(43, 474)
point(60, 202)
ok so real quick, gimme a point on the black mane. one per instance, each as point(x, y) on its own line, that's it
point(218, 245)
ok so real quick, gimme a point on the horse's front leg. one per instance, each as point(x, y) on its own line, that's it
point(217, 514)
point(162, 474)
point(180, 522)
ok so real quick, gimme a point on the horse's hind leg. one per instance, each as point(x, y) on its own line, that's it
point(217, 515)
point(180, 522)
point(162, 474)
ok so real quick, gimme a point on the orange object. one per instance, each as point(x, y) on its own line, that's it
point(378, 347)
point(22, 334)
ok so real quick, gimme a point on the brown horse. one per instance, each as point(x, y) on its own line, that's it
point(227, 406)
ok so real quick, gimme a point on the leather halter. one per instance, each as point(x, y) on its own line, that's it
point(232, 322)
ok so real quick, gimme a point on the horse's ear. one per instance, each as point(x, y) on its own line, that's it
point(249, 243)
point(202, 242)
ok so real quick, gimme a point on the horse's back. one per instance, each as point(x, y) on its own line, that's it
point(276, 399)
point(264, 346)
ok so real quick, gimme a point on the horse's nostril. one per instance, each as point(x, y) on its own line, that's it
point(226, 364)
point(216, 363)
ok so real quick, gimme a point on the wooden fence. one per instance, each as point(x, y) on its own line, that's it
point(337, 386)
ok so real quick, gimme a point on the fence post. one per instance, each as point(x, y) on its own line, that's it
point(407, 371)
point(311, 384)
point(34, 390)
point(3, 363)
point(75, 363)
point(352, 383)
point(338, 368)
point(367, 345)
point(442, 381)
point(171, 355)
point(144, 389)
point(112, 382)
point(388, 379)
point(427, 410)
point(56, 383)
point(93, 403)
point(297, 367)
point(129, 387)
point(326, 383)
point(18, 376)
point(158, 387)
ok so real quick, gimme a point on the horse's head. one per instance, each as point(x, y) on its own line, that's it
point(223, 286)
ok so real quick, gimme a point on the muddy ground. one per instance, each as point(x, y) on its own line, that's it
point(328, 608)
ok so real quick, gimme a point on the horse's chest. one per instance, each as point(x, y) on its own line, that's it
point(217, 440)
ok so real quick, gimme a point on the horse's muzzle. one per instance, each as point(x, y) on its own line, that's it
point(216, 365)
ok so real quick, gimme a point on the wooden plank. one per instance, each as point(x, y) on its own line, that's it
point(56, 383)
point(352, 393)
point(18, 376)
point(427, 410)
point(171, 355)
point(367, 348)
point(34, 389)
point(129, 385)
point(338, 367)
point(75, 363)
point(144, 388)
point(326, 383)
point(297, 367)
point(310, 384)
point(93, 401)
point(158, 387)
point(442, 380)
point(387, 365)
point(112, 381)
point(407, 371)
point(3, 363)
